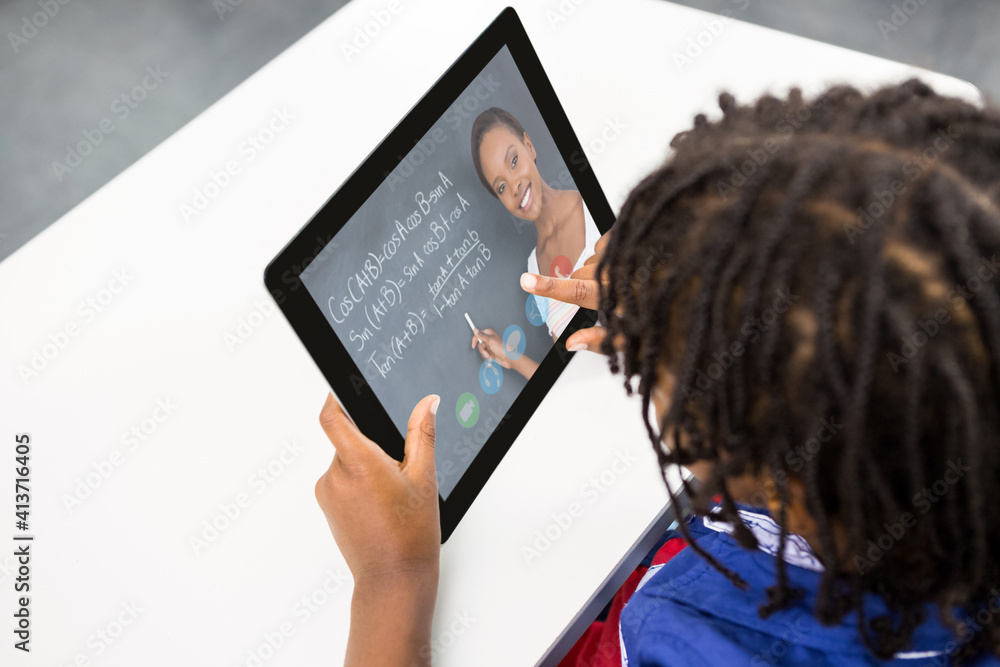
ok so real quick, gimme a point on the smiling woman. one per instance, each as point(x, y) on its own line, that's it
point(504, 157)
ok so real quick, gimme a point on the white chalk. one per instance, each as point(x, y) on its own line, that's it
point(473, 327)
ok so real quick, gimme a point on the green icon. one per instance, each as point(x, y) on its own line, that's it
point(467, 410)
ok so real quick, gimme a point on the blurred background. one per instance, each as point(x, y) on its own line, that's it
point(60, 80)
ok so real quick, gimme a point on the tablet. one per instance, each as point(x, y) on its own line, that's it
point(425, 243)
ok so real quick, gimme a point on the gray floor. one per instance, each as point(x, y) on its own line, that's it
point(65, 80)
point(59, 82)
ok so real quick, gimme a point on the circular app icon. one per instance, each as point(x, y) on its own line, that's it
point(513, 342)
point(467, 410)
point(537, 309)
point(490, 376)
point(561, 267)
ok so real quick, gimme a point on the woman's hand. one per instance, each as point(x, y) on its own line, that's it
point(490, 346)
point(384, 516)
point(580, 289)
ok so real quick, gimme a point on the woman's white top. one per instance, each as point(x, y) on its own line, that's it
point(557, 313)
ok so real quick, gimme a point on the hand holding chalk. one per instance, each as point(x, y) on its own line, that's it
point(490, 347)
point(473, 327)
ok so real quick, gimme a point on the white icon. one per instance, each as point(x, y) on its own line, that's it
point(490, 376)
point(467, 410)
point(512, 341)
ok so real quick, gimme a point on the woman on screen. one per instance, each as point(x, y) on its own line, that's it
point(504, 157)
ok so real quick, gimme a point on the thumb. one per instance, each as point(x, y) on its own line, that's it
point(418, 452)
point(587, 339)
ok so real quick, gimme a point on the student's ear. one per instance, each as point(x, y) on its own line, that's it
point(531, 147)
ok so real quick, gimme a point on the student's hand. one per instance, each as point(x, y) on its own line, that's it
point(491, 346)
point(383, 513)
point(580, 289)
point(384, 516)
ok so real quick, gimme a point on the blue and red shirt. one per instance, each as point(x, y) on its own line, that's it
point(677, 609)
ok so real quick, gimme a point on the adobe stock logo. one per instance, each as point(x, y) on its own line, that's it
point(266, 644)
point(712, 29)
point(106, 636)
point(750, 332)
point(884, 196)
point(231, 509)
point(923, 501)
point(247, 325)
point(562, 13)
point(592, 491)
point(31, 25)
point(223, 7)
point(899, 17)
point(132, 440)
point(218, 180)
point(122, 106)
point(86, 311)
point(364, 34)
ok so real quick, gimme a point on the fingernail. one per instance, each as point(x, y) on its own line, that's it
point(434, 405)
point(528, 281)
point(577, 348)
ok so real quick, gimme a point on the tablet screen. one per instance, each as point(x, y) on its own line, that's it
point(439, 247)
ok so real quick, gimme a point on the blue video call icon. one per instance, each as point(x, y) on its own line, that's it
point(490, 376)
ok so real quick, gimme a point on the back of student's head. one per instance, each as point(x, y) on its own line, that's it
point(820, 279)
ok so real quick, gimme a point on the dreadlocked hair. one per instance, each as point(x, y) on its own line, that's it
point(813, 284)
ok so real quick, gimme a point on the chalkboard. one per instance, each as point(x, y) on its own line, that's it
point(428, 246)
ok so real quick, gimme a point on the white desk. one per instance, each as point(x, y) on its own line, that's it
point(162, 337)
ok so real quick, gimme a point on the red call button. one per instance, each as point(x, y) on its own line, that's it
point(561, 267)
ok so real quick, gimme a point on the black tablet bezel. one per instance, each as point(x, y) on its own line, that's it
point(282, 275)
